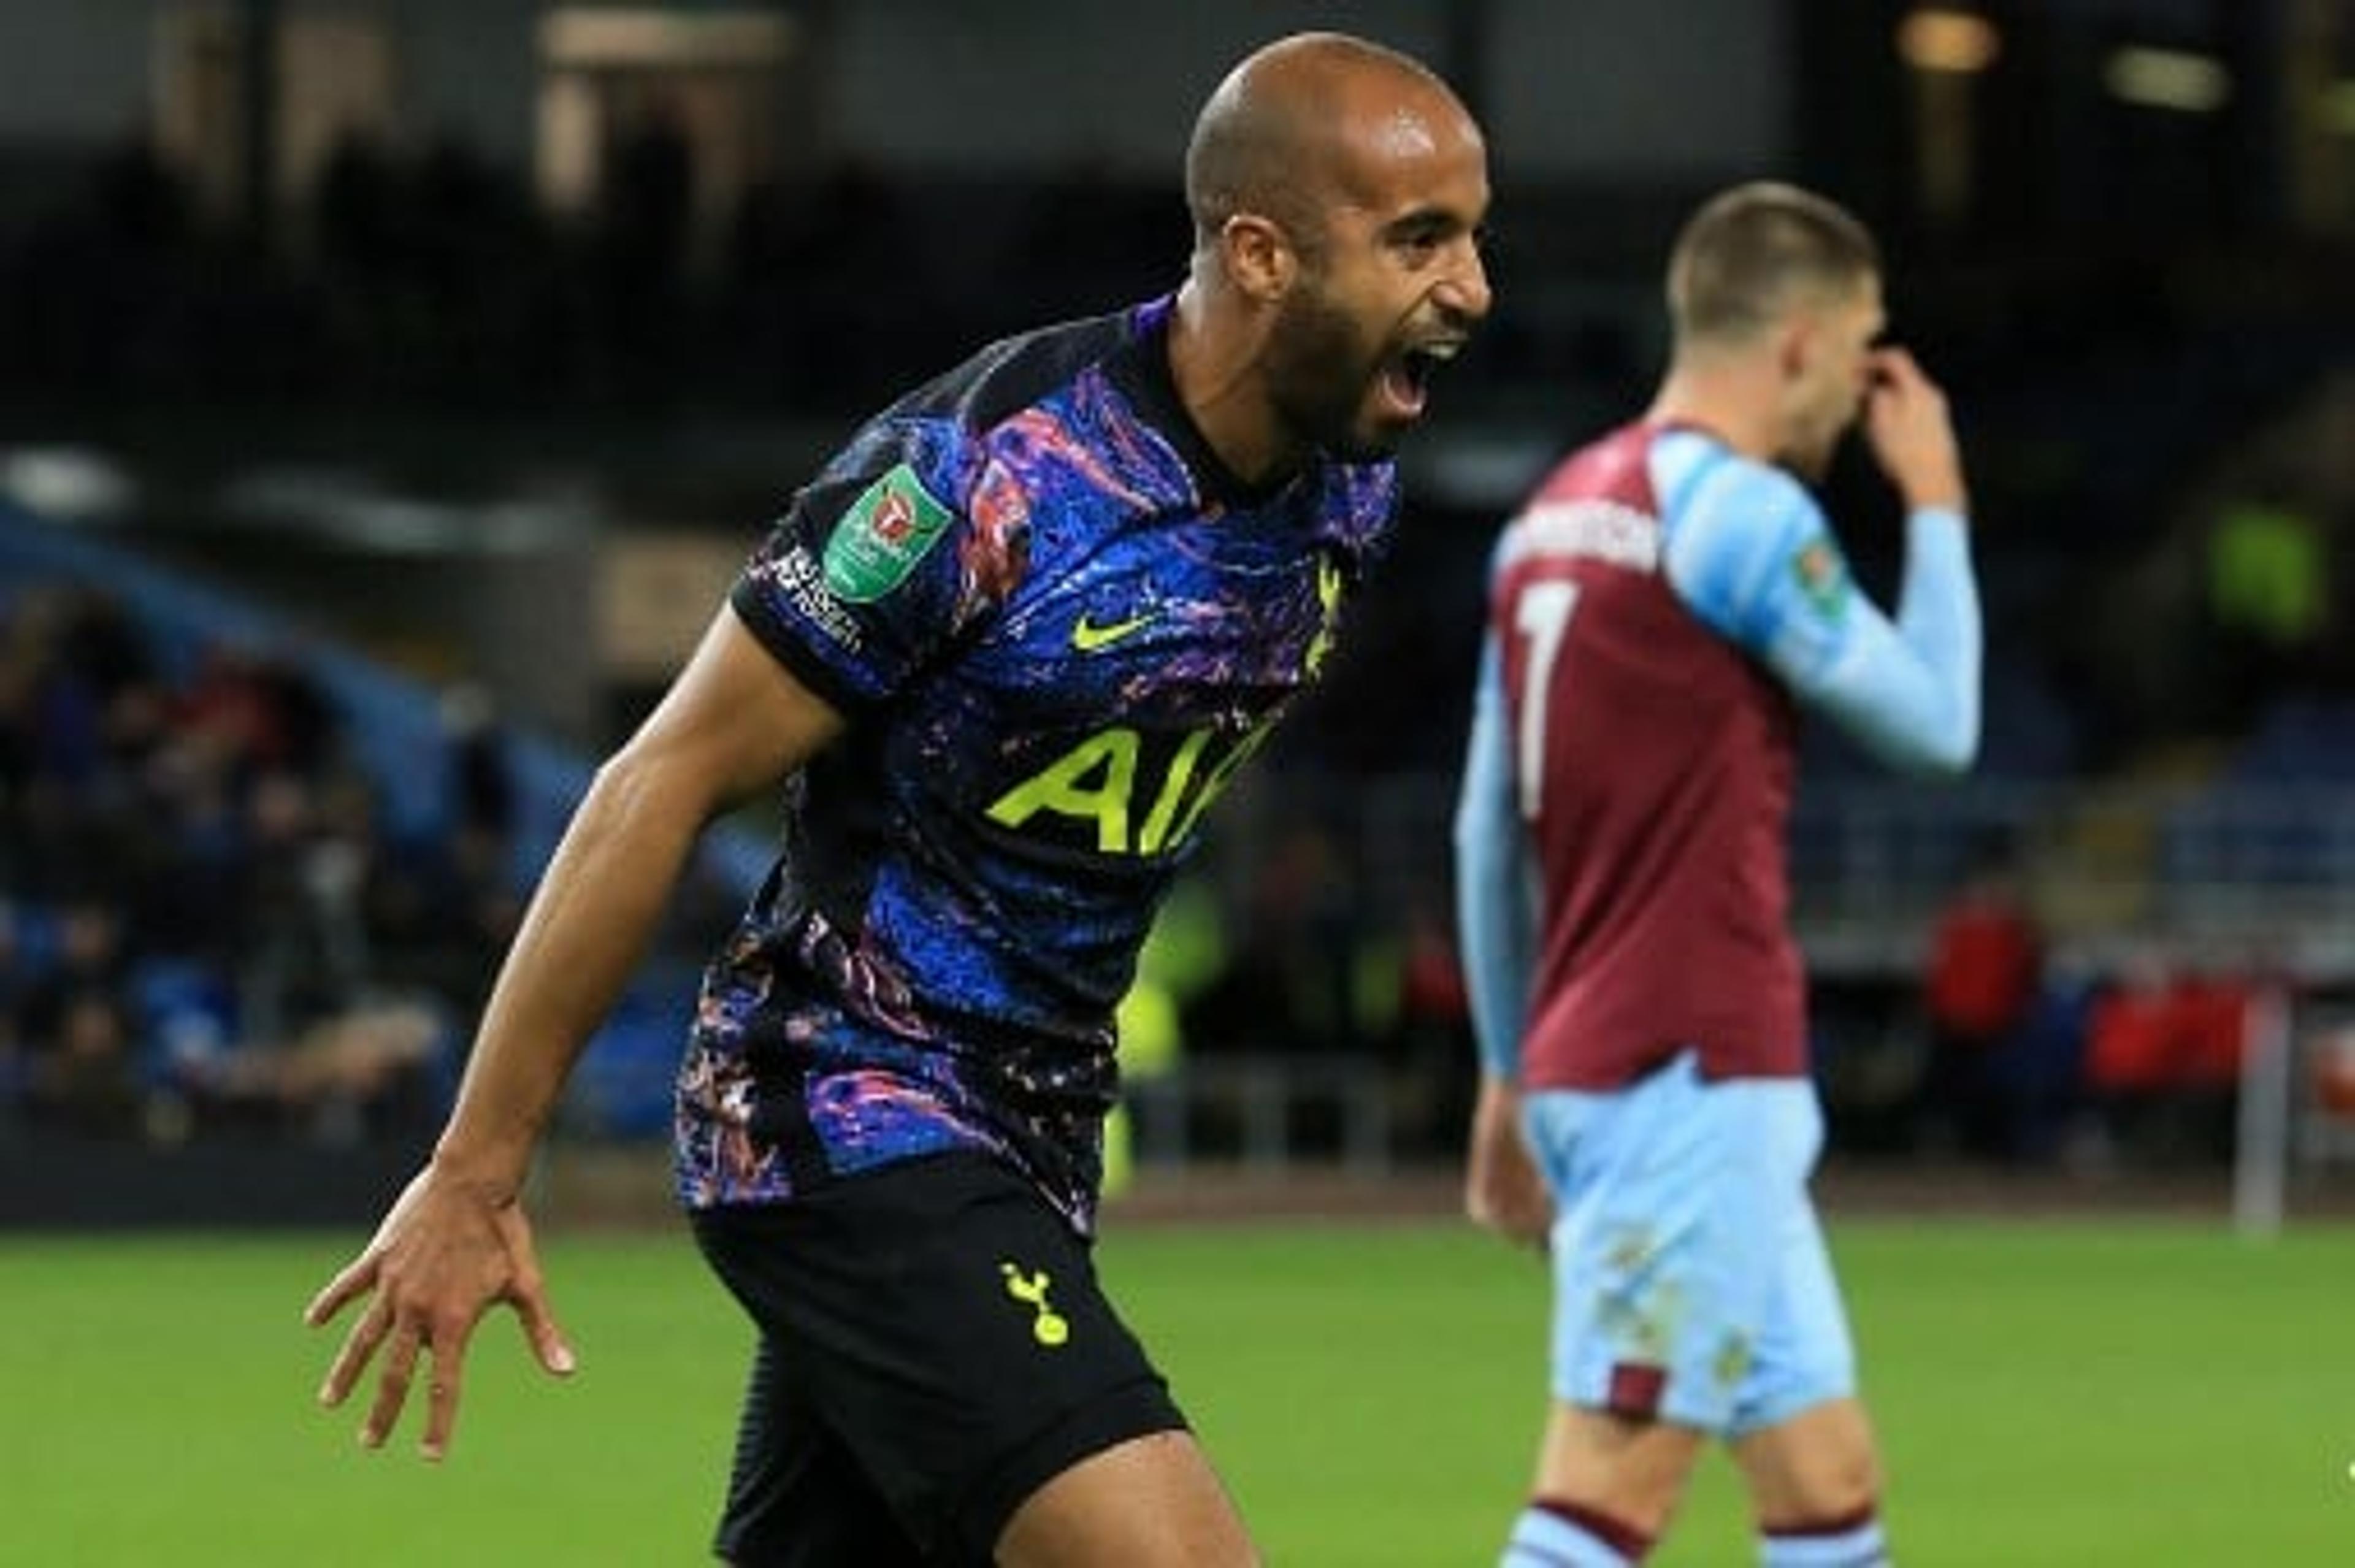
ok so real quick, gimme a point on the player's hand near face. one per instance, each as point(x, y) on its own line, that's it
point(1503, 1190)
point(445, 1254)
point(1913, 435)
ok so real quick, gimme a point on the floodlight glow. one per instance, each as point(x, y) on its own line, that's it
point(1955, 42)
point(68, 484)
point(2168, 78)
point(587, 37)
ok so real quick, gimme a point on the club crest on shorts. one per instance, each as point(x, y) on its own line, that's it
point(1049, 1327)
point(883, 537)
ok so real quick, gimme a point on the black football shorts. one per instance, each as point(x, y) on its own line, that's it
point(933, 1349)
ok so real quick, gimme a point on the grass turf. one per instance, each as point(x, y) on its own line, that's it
point(2068, 1392)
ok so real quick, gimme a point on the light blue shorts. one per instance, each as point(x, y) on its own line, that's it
point(1691, 1279)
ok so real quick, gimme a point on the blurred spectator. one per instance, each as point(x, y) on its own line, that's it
point(187, 902)
point(300, 951)
point(2163, 1046)
point(83, 1071)
point(187, 942)
point(264, 713)
point(1985, 962)
point(2041, 1072)
point(2212, 1013)
point(1434, 1046)
point(437, 914)
point(88, 961)
point(76, 1028)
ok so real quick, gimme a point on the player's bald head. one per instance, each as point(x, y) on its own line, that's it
point(1290, 127)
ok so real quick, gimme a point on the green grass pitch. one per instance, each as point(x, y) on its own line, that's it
point(2066, 1392)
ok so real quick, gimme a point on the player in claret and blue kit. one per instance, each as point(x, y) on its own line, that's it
point(1666, 602)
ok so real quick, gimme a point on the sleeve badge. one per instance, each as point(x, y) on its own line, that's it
point(1823, 577)
point(882, 537)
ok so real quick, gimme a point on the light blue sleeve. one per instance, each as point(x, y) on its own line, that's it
point(1749, 551)
point(1496, 915)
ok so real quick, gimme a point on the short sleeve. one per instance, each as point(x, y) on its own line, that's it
point(863, 579)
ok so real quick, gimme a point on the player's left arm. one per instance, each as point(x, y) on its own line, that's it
point(1753, 556)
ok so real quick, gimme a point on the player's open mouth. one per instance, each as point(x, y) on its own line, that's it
point(1405, 378)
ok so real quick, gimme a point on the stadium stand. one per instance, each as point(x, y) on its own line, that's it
point(256, 884)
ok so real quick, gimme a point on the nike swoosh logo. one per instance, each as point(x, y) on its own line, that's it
point(1088, 636)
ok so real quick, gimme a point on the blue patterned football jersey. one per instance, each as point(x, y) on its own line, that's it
point(1056, 626)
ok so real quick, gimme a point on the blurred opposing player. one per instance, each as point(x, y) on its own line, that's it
point(1623, 888)
point(1004, 651)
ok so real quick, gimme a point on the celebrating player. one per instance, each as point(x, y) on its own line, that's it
point(1645, 1103)
point(1003, 651)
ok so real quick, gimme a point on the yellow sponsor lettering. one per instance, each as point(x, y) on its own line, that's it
point(1093, 779)
point(1096, 781)
point(1173, 789)
point(1218, 778)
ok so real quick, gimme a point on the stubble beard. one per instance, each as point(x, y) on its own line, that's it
point(1318, 372)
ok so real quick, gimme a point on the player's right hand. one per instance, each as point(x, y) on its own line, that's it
point(1502, 1189)
point(1912, 433)
point(443, 1255)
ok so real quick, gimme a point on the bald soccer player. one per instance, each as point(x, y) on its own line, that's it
point(1000, 654)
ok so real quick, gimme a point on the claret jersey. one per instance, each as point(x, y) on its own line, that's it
point(1654, 610)
point(1056, 627)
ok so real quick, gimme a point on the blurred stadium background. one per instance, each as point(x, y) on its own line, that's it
point(388, 390)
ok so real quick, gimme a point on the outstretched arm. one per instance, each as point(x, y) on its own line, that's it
point(456, 1240)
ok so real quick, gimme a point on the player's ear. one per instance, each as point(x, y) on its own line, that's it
point(1796, 345)
point(1259, 257)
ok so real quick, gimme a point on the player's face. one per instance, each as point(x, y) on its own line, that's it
point(1390, 292)
point(1832, 374)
